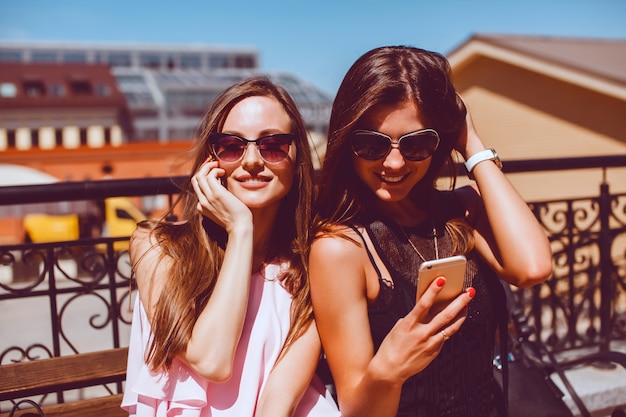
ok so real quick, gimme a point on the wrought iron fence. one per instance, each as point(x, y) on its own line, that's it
point(75, 296)
point(68, 297)
point(77, 286)
point(584, 303)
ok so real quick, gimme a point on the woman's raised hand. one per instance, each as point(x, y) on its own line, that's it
point(417, 338)
point(469, 142)
point(215, 201)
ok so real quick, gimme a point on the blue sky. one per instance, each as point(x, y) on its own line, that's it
point(315, 39)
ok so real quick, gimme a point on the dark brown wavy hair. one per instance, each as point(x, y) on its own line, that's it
point(196, 245)
point(387, 76)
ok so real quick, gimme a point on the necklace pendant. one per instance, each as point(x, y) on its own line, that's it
point(435, 243)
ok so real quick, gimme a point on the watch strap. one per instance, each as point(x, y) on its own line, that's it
point(487, 154)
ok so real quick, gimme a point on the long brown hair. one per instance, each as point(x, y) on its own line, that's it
point(196, 245)
point(387, 76)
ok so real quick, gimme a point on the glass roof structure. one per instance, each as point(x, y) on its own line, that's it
point(170, 103)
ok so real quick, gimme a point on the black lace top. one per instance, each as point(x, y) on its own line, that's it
point(459, 382)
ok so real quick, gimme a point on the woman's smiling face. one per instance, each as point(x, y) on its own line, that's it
point(258, 184)
point(391, 178)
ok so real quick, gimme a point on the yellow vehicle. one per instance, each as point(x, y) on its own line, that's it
point(120, 219)
point(41, 228)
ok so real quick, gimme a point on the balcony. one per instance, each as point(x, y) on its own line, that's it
point(75, 296)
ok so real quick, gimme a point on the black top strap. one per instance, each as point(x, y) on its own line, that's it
point(367, 249)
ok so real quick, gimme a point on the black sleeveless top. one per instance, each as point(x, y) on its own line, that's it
point(459, 382)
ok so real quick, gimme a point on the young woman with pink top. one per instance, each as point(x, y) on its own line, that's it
point(222, 326)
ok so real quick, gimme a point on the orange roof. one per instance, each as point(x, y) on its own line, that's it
point(38, 85)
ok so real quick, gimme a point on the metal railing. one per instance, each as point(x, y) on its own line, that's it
point(68, 297)
point(74, 296)
point(584, 303)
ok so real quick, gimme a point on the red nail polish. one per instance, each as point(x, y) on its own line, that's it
point(440, 282)
point(471, 292)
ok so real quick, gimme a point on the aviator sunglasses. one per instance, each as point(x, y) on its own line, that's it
point(229, 147)
point(414, 146)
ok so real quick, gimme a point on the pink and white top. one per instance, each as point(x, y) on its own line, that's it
point(181, 392)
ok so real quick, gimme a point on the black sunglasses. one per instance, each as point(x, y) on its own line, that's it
point(229, 147)
point(414, 146)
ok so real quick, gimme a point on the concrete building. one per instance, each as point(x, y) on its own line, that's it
point(167, 86)
point(60, 105)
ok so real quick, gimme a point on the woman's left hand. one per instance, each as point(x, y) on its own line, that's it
point(215, 201)
point(468, 142)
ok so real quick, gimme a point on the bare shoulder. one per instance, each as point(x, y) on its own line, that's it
point(143, 244)
point(149, 266)
point(342, 241)
point(337, 264)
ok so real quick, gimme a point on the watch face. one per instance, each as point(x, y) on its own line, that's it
point(496, 158)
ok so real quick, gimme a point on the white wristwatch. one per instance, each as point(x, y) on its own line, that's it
point(486, 155)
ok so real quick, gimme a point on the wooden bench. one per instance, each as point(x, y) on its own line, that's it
point(49, 376)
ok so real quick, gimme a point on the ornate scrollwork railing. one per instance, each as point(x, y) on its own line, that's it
point(584, 303)
point(63, 298)
point(69, 297)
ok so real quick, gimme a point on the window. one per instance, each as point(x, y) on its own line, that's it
point(81, 87)
point(83, 136)
point(11, 139)
point(34, 138)
point(218, 61)
point(107, 135)
point(34, 88)
point(170, 62)
point(119, 60)
point(58, 137)
point(57, 90)
point(123, 214)
point(8, 90)
point(44, 56)
point(139, 99)
point(150, 61)
point(180, 134)
point(190, 61)
point(188, 103)
point(10, 56)
point(244, 61)
point(131, 82)
point(146, 134)
point(139, 113)
point(74, 57)
point(103, 90)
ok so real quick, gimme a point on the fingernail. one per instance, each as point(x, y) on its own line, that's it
point(208, 159)
point(471, 292)
point(440, 282)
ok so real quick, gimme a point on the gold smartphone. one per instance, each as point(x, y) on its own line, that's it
point(453, 269)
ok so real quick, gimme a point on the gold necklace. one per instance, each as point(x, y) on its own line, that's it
point(415, 249)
